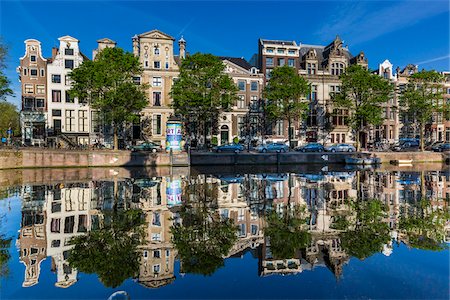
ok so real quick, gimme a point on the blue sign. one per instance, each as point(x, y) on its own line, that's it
point(9, 131)
point(173, 192)
point(173, 136)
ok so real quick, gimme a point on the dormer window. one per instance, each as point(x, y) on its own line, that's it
point(68, 51)
point(311, 68)
point(290, 51)
point(337, 68)
point(269, 50)
point(280, 51)
point(33, 58)
point(254, 70)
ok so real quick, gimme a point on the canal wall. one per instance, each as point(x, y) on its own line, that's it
point(57, 158)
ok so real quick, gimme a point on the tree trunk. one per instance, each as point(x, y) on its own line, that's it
point(289, 132)
point(116, 138)
point(357, 140)
point(422, 148)
point(204, 134)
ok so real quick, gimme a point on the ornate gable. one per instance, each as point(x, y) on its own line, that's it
point(232, 68)
point(156, 34)
point(311, 54)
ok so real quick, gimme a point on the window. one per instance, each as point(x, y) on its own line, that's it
point(69, 98)
point(313, 92)
point(33, 72)
point(311, 68)
point(156, 236)
point(56, 243)
point(156, 124)
point(42, 72)
point(136, 80)
point(241, 85)
point(146, 63)
point(291, 51)
point(33, 58)
point(40, 89)
point(157, 254)
point(156, 220)
point(167, 65)
point(156, 81)
point(68, 63)
point(28, 103)
point(40, 102)
point(269, 50)
point(56, 78)
point(339, 117)
point(240, 128)
point(29, 89)
point(281, 62)
point(337, 69)
point(157, 65)
point(156, 51)
point(68, 51)
point(280, 51)
point(241, 101)
point(70, 120)
point(269, 61)
point(69, 223)
point(254, 86)
point(291, 62)
point(56, 112)
point(67, 79)
point(156, 98)
point(311, 120)
point(156, 269)
point(334, 89)
point(25, 71)
point(83, 120)
point(55, 225)
point(96, 122)
point(268, 73)
point(279, 127)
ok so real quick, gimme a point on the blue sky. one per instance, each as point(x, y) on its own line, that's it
point(402, 31)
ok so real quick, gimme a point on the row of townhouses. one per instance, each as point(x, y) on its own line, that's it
point(49, 114)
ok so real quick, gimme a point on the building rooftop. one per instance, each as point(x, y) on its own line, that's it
point(240, 61)
point(278, 42)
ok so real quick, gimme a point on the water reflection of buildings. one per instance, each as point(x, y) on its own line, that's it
point(53, 214)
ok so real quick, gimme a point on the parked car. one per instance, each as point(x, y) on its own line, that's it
point(341, 148)
point(147, 146)
point(411, 145)
point(273, 147)
point(229, 148)
point(311, 147)
point(444, 147)
point(434, 145)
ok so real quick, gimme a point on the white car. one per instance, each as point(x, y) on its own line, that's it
point(341, 148)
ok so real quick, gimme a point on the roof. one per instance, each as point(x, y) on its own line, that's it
point(106, 41)
point(240, 61)
point(84, 56)
point(278, 42)
point(323, 52)
point(156, 32)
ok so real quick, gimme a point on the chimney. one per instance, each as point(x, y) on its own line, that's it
point(135, 40)
point(182, 45)
point(54, 52)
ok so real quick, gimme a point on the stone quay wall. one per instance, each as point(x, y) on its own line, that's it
point(49, 158)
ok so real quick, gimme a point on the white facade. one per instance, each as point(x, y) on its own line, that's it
point(66, 115)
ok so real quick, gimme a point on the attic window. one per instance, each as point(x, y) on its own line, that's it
point(33, 58)
point(68, 51)
point(290, 51)
point(156, 51)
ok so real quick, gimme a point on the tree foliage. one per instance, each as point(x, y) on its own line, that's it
point(286, 232)
point(369, 233)
point(5, 90)
point(107, 84)
point(202, 92)
point(362, 93)
point(110, 252)
point(285, 93)
point(423, 97)
point(202, 240)
point(9, 118)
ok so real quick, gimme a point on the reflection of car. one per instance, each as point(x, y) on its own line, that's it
point(341, 148)
point(442, 148)
point(229, 148)
point(231, 178)
point(311, 147)
point(273, 147)
point(273, 177)
point(147, 146)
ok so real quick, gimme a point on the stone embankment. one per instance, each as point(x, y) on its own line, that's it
point(49, 158)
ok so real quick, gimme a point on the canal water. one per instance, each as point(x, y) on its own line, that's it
point(225, 233)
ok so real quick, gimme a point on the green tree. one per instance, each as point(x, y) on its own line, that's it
point(423, 97)
point(107, 84)
point(9, 118)
point(111, 251)
point(285, 93)
point(362, 93)
point(367, 235)
point(201, 93)
point(5, 243)
point(5, 90)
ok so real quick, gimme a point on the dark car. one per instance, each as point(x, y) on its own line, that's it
point(434, 145)
point(229, 148)
point(442, 148)
point(410, 145)
point(311, 147)
point(147, 146)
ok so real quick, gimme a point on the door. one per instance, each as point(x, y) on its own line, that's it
point(224, 134)
point(57, 126)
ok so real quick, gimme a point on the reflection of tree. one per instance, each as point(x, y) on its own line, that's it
point(4, 253)
point(286, 232)
point(203, 239)
point(110, 252)
point(370, 232)
point(425, 228)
